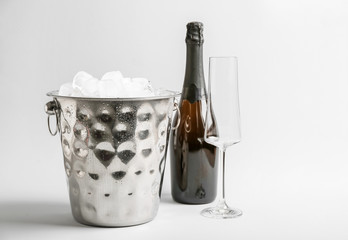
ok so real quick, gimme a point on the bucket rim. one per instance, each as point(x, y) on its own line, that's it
point(164, 94)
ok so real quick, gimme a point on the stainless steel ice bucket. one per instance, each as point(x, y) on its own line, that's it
point(114, 155)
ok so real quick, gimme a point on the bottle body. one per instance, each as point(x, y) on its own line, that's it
point(193, 161)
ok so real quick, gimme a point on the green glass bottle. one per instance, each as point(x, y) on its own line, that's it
point(193, 161)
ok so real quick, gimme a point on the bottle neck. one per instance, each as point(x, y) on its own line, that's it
point(194, 85)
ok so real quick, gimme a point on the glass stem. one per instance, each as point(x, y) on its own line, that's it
point(222, 202)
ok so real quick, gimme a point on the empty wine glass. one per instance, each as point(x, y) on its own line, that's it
point(223, 111)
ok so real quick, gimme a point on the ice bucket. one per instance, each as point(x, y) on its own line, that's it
point(114, 155)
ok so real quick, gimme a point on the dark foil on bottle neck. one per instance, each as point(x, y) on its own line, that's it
point(193, 94)
point(194, 34)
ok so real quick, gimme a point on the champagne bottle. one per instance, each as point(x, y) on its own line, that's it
point(193, 161)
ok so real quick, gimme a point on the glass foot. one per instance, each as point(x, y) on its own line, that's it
point(221, 211)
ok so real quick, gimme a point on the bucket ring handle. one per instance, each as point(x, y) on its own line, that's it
point(176, 108)
point(51, 108)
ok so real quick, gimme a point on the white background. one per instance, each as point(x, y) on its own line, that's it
point(290, 172)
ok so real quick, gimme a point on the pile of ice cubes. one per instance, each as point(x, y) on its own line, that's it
point(111, 85)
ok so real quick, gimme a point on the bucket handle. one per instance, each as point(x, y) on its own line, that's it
point(176, 108)
point(51, 108)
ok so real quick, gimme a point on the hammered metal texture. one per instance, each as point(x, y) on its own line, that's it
point(114, 155)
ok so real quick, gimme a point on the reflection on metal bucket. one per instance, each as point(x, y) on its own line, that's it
point(114, 156)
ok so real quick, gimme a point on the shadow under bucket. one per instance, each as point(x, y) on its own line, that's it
point(114, 155)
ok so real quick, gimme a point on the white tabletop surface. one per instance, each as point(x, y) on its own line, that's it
point(301, 199)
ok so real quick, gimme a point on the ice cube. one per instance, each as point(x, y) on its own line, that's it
point(66, 89)
point(144, 85)
point(85, 84)
point(115, 75)
point(77, 93)
point(112, 85)
point(80, 78)
point(141, 81)
point(111, 89)
point(89, 87)
point(137, 87)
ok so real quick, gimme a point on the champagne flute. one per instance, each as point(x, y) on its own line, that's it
point(223, 99)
